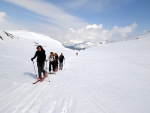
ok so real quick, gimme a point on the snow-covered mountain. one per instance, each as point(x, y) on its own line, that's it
point(78, 44)
point(81, 45)
point(107, 78)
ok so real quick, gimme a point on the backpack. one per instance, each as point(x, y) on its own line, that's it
point(51, 58)
point(61, 58)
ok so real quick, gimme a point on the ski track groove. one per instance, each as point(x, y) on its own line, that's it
point(89, 97)
point(28, 102)
point(9, 96)
point(44, 101)
point(100, 106)
point(57, 107)
point(13, 100)
point(25, 105)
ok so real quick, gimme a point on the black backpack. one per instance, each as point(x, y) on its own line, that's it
point(61, 58)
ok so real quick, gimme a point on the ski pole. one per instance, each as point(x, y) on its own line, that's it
point(64, 64)
point(34, 68)
point(47, 71)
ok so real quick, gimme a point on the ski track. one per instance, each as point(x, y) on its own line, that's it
point(38, 99)
point(13, 99)
point(27, 103)
point(103, 108)
point(35, 96)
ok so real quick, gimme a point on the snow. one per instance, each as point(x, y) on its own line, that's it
point(107, 78)
point(78, 44)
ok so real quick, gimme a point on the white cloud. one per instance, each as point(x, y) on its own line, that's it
point(96, 5)
point(6, 24)
point(124, 31)
point(59, 20)
point(50, 13)
point(3, 16)
point(83, 4)
point(94, 26)
point(62, 21)
point(72, 30)
point(97, 33)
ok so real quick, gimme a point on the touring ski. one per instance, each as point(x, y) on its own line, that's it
point(36, 81)
point(39, 80)
point(53, 73)
point(43, 78)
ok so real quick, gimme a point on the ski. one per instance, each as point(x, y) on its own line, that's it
point(53, 73)
point(43, 78)
point(40, 80)
point(36, 81)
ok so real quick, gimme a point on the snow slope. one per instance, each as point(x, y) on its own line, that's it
point(109, 78)
point(78, 44)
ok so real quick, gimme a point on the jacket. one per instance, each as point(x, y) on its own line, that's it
point(41, 56)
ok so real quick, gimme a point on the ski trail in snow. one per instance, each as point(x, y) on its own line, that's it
point(47, 105)
point(22, 98)
point(13, 99)
point(12, 95)
point(36, 97)
point(27, 103)
point(89, 97)
point(101, 106)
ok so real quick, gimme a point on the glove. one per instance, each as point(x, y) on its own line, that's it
point(32, 59)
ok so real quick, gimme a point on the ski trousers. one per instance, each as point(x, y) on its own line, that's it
point(41, 68)
point(51, 66)
point(60, 65)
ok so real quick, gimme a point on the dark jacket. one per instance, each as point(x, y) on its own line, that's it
point(56, 57)
point(61, 58)
point(41, 56)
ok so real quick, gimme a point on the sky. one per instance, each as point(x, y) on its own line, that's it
point(96, 20)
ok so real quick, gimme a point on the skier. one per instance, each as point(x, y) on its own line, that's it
point(41, 57)
point(56, 62)
point(1, 37)
point(51, 62)
point(61, 59)
point(77, 54)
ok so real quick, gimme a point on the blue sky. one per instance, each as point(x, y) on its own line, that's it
point(82, 19)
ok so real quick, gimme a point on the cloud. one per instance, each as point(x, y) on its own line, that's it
point(94, 26)
point(50, 13)
point(85, 4)
point(6, 24)
point(56, 22)
point(98, 33)
point(123, 31)
point(3, 16)
point(96, 5)
point(53, 20)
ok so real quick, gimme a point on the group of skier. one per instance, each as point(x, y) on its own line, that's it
point(55, 62)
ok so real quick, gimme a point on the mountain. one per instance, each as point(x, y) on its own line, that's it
point(81, 45)
point(78, 44)
point(106, 78)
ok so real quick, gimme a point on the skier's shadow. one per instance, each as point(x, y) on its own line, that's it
point(30, 74)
